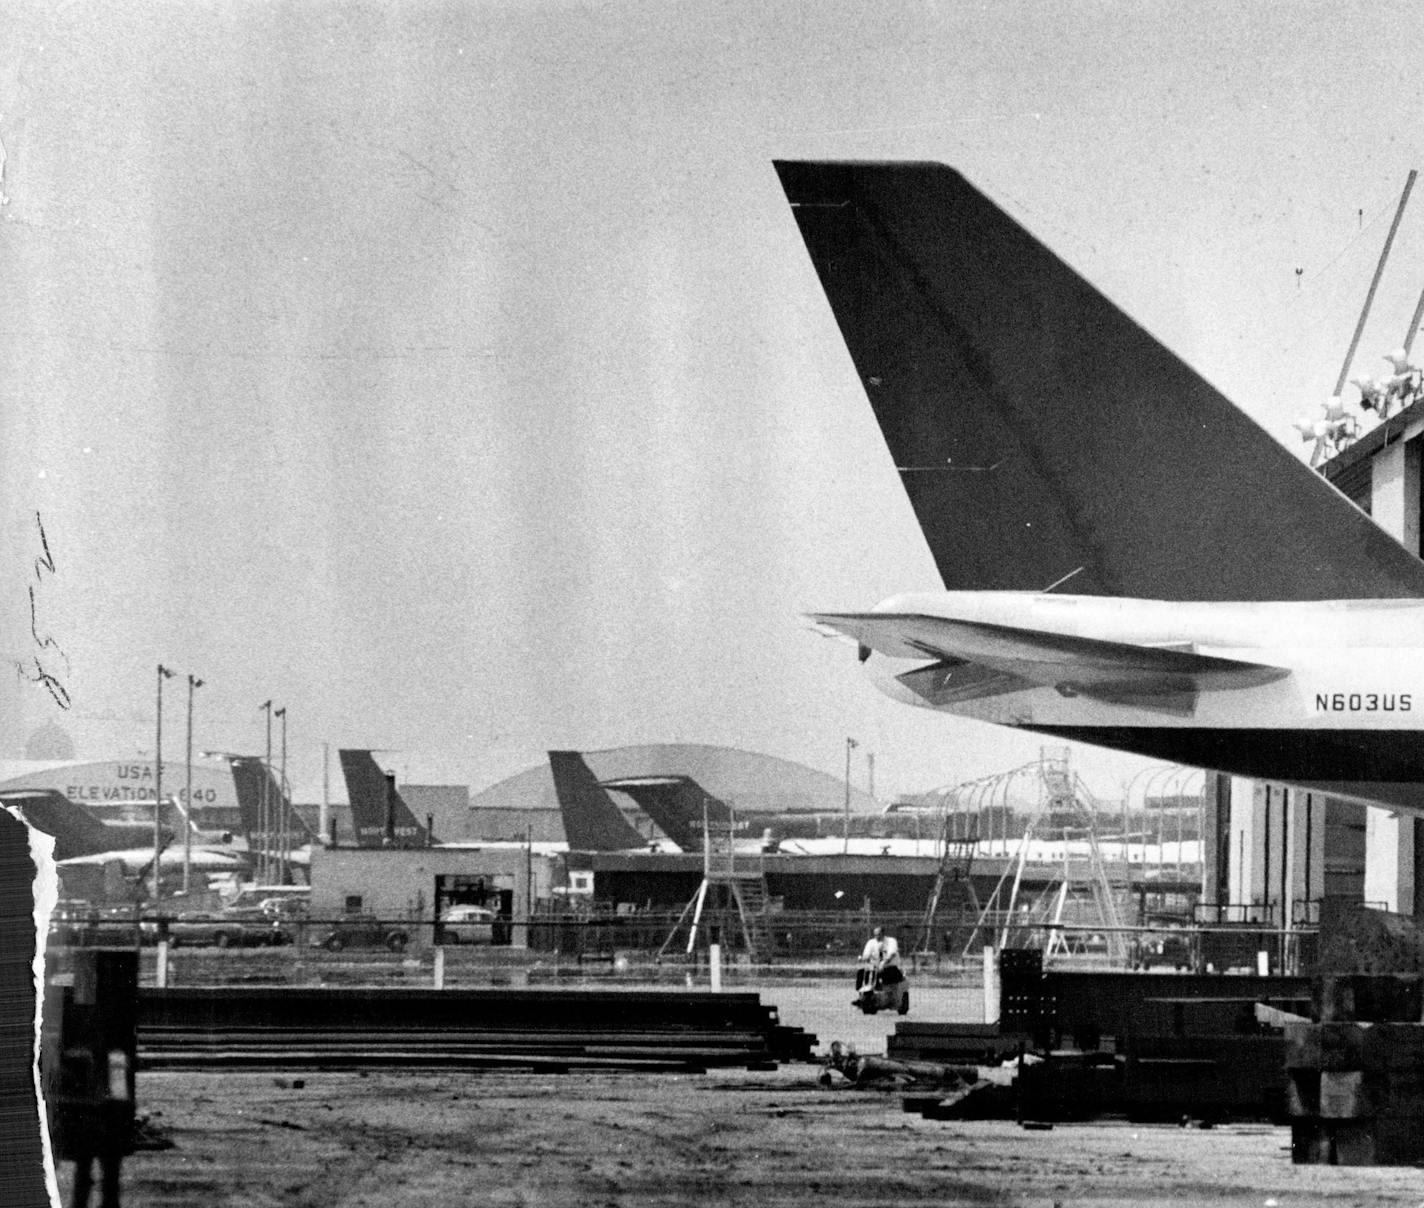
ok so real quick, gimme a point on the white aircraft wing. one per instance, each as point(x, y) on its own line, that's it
point(1015, 658)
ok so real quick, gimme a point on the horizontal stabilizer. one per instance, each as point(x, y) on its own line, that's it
point(678, 804)
point(1118, 672)
point(1040, 433)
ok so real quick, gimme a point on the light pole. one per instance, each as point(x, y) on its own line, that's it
point(193, 684)
point(1180, 783)
point(263, 805)
point(1168, 777)
point(1151, 771)
point(163, 674)
point(1165, 775)
point(851, 745)
point(282, 802)
point(1128, 785)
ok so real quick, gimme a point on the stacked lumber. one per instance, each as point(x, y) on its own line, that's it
point(543, 1029)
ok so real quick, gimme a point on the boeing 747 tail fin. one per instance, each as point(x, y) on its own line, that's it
point(1042, 436)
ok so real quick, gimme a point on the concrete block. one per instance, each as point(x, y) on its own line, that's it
point(1303, 1093)
point(1399, 1137)
point(1302, 1046)
point(1353, 1143)
point(1310, 1143)
point(1393, 1046)
point(1342, 1046)
point(1342, 1095)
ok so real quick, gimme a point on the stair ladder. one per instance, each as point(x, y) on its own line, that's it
point(955, 863)
point(1061, 793)
point(1066, 795)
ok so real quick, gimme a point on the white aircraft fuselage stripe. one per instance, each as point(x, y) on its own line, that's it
point(1344, 672)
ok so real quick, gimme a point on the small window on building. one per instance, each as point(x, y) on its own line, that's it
point(353, 903)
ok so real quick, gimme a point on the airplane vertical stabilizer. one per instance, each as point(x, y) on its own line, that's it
point(379, 814)
point(592, 822)
point(249, 776)
point(1041, 435)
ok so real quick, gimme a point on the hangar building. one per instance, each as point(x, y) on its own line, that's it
point(747, 781)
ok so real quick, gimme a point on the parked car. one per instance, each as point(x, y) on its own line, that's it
point(359, 931)
point(289, 908)
point(83, 925)
point(1167, 952)
point(467, 925)
point(258, 895)
point(231, 928)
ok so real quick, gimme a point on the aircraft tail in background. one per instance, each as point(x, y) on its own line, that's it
point(76, 832)
point(250, 776)
point(678, 804)
point(379, 814)
point(592, 820)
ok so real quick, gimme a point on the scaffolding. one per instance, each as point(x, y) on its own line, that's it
point(1088, 893)
point(732, 899)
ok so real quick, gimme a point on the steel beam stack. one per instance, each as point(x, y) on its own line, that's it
point(523, 1029)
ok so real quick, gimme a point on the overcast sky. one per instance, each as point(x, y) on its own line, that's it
point(454, 374)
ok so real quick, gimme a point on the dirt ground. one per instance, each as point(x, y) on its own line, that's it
point(393, 1140)
point(724, 1138)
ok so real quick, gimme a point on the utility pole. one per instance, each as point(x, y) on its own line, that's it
point(851, 745)
point(263, 800)
point(193, 684)
point(163, 674)
point(324, 824)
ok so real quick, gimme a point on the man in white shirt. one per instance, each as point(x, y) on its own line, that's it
point(881, 956)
